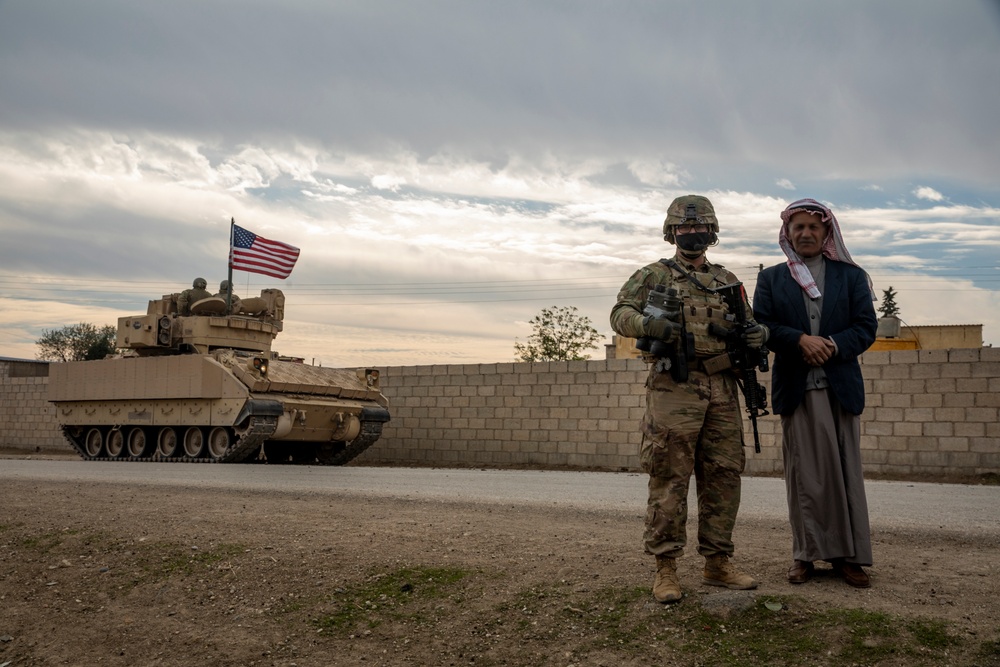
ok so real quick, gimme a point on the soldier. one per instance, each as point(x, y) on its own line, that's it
point(192, 296)
point(692, 423)
point(226, 292)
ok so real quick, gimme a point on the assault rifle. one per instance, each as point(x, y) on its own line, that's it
point(745, 359)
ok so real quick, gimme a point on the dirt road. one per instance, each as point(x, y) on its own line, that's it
point(178, 574)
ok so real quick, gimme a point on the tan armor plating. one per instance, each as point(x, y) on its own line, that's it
point(700, 310)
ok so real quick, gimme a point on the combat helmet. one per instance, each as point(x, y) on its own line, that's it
point(199, 283)
point(224, 286)
point(690, 210)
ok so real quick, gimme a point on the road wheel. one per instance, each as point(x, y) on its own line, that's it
point(194, 442)
point(94, 443)
point(115, 443)
point(138, 443)
point(218, 442)
point(166, 442)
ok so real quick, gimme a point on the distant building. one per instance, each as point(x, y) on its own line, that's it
point(893, 334)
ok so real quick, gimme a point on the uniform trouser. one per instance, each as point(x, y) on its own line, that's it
point(696, 427)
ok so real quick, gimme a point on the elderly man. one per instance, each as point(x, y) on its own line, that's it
point(818, 308)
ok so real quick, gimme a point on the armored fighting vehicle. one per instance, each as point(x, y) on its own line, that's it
point(200, 383)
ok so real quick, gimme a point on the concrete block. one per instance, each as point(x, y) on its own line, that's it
point(896, 371)
point(922, 444)
point(988, 369)
point(963, 354)
point(987, 399)
point(949, 414)
point(972, 385)
point(953, 444)
point(985, 445)
point(941, 386)
point(875, 359)
point(886, 386)
point(903, 357)
point(931, 356)
point(894, 443)
point(889, 414)
point(927, 400)
point(901, 458)
point(918, 415)
point(937, 429)
point(896, 401)
point(925, 371)
point(956, 370)
point(912, 386)
point(981, 414)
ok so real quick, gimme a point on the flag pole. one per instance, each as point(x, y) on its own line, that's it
point(229, 292)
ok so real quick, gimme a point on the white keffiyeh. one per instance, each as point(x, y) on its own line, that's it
point(833, 246)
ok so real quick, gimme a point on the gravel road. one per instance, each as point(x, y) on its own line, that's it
point(958, 508)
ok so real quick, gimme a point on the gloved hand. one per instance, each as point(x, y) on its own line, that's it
point(660, 328)
point(756, 335)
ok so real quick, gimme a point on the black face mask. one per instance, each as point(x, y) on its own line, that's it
point(695, 241)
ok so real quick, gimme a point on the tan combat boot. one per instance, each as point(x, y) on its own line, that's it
point(720, 572)
point(666, 587)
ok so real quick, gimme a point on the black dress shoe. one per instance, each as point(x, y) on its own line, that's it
point(800, 572)
point(854, 575)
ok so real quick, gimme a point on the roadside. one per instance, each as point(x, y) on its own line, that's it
point(126, 574)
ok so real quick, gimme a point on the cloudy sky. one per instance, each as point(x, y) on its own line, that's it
point(450, 168)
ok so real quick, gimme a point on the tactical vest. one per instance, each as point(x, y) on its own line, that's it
point(701, 309)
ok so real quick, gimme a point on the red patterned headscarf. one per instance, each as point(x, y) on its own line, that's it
point(833, 246)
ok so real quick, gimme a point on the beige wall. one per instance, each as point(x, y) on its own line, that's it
point(930, 412)
point(27, 419)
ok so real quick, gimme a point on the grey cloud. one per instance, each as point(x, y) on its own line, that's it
point(852, 87)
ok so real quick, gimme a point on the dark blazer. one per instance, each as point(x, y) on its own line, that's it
point(848, 318)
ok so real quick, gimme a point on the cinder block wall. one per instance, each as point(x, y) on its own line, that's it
point(930, 412)
point(27, 419)
point(559, 414)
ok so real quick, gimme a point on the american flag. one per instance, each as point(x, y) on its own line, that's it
point(256, 254)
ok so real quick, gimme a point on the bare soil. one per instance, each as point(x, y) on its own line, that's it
point(115, 575)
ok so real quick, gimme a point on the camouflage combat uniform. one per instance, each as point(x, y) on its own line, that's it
point(192, 296)
point(695, 426)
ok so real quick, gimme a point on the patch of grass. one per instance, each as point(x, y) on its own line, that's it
point(868, 637)
point(931, 633)
point(771, 631)
point(45, 542)
point(188, 561)
point(754, 636)
point(608, 614)
point(989, 652)
point(389, 595)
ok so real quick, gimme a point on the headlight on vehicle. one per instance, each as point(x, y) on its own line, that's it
point(260, 365)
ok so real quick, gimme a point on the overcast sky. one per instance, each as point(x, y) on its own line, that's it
point(451, 168)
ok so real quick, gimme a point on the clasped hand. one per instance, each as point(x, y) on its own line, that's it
point(816, 350)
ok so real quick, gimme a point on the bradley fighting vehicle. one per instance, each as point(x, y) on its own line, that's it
point(205, 386)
